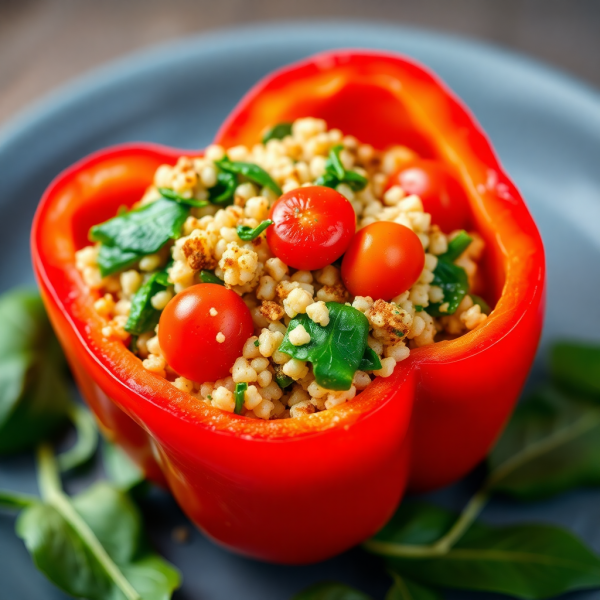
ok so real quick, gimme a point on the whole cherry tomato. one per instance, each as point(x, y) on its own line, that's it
point(312, 227)
point(442, 195)
point(383, 260)
point(202, 331)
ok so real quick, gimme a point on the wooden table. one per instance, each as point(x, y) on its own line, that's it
point(44, 43)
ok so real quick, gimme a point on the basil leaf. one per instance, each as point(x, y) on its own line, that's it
point(144, 230)
point(251, 171)
point(551, 445)
point(277, 132)
point(522, 561)
point(87, 439)
point(336, 174)
point(240, 388)
point(173, 195)
point(331, 590)
point(34, 395)
point(457, 246)
point(327, 180)
point(210, 277)
point(405, 589)
point(455, 284)
point(143, 316)
point(485, 307)
point(119, 468)
point(70, 559)
point(576, 366)
point(112, 259)
point(248, 233)
point(223, 191)
point(370, 360)
point(335, 350)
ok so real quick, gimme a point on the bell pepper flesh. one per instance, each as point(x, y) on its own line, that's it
point(301, 490)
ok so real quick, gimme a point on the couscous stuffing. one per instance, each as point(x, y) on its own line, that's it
point(322, 324)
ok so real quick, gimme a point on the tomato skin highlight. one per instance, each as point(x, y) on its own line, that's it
point(441, 194)
point(312, 227)
point(188, 332)
point(383, 260)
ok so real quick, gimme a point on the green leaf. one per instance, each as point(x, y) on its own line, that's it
point(119, 468)
point(331, 590)
point(370, 360)
point(112, 259)
point(87, 439)
point(144, 230)
point(34, 395)
point(240, 388)
point(143, 316)
point(522, 561)
point(277, 132)
point(250, 171)
point(457, 246)
point(405, 589)
point(576, 366)
point(68, 558)
point(173, 195)
point(15, 500)
point(281, 379)
point(223, 191)
point(335, 350)
point(485, 307)
point(551, 444)
point(248, 233)
point(454, 283)
point(210, 277)
point(336, 174)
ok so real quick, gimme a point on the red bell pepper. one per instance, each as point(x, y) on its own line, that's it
point(302, 490)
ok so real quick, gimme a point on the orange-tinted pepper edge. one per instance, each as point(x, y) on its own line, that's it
point(301, 490)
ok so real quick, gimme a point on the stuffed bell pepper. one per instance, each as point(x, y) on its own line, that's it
point(337, 300)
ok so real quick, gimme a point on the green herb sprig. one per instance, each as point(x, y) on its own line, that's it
point(250, 171)
point(250, 233)
point(240, 389)
point(336, 174)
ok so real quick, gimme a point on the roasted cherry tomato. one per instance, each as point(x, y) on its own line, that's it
point(312, 227)
point(202, 331)
point(442, 195)
point(383, 260)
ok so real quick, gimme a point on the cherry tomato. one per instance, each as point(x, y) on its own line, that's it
point(442, 195)
point(383, 260)
point(312, 227)
point(188, 331)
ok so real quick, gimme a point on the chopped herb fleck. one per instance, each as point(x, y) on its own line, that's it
point(240, 389)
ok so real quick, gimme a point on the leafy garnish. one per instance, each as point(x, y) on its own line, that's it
point(112, 259)
point(336, 174)
point(281, 379)
point(173, 195)
point(210, 277)
point(248, 233)
point(485, 307)
point(87, 439)
point(454, 283)
point(370, 360)
point(335, 350)
point(143, 317)
point(251, 171)
point(223, 191)
point(240, 389)
point(119, 468)
point(457, 246)
point(277, 132)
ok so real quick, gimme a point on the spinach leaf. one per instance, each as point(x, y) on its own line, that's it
point(551, 444)
point(210, 277)
point(277, 132)
point(34, 395)
point(143, 316)
point(457, 246)
point(335, 350)
point(485, 307)
point(119, 468)
point(336, 174)
point(240, 388)
point(370, 361)
point(331, 590)
point(112, 259)
point(144, 230)
point(251, 171)
point(87, 439)
point(405, 589)
point(173, 195)
point(522, 561)
point(454, 283)
point(248, 233)
point(576, 366)
point(223, 191)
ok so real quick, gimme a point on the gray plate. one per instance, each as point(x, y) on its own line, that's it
point(544, 125)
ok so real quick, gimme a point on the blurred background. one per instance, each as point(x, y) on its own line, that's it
point(44, 43)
